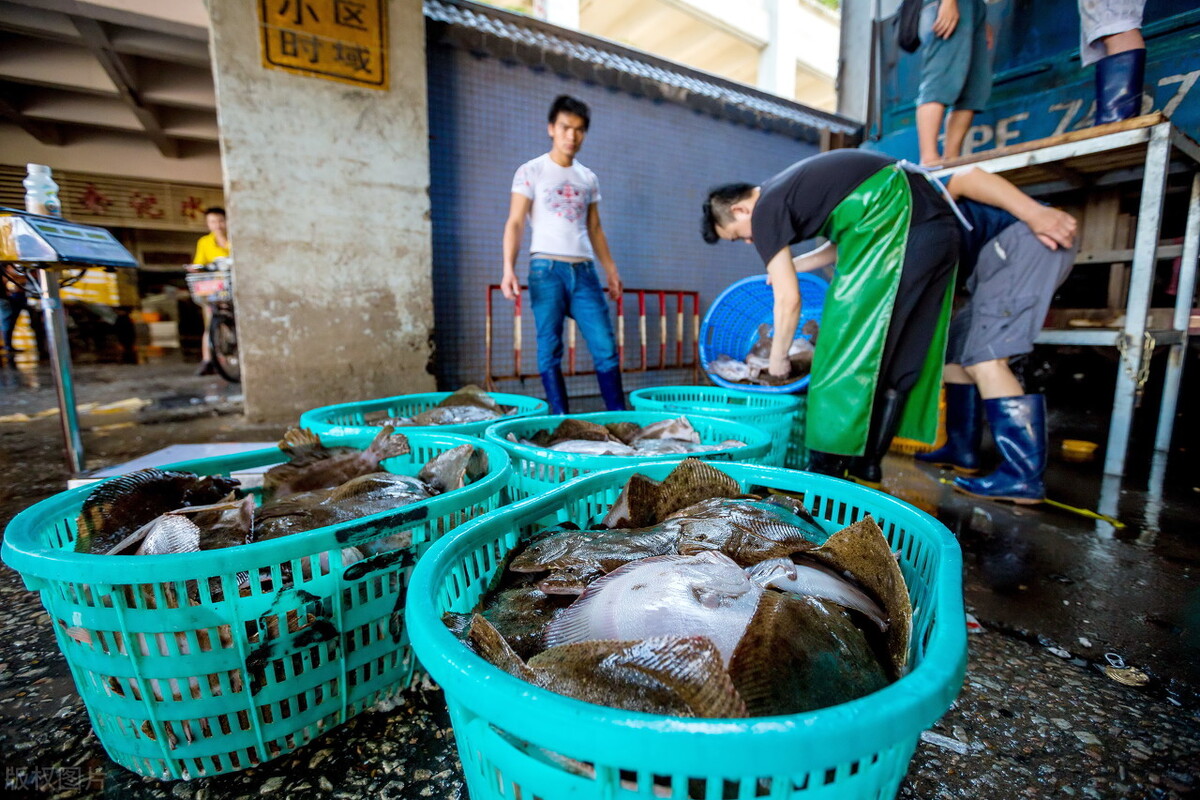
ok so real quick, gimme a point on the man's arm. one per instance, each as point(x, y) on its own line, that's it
point(1053, 228)
point(816, 258)
point(782, 275)
point(514, 229)
point(603, 254)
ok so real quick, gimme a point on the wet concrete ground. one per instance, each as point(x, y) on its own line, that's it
point(1038, 715)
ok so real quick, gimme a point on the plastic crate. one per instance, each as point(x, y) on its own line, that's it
point(182, 690)
point(731, 325)
point(911, 447)
point(513, 737)
point(346, 419)
point(537, 469)
point(780, 415)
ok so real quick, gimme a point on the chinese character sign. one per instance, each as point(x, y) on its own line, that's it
point(341, 40)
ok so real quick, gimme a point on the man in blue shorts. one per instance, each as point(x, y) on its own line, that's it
point(561, 198)
point(1010, 275)
point(956, 73)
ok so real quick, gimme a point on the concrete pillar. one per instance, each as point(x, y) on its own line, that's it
point(327, 192)
point(777, 63)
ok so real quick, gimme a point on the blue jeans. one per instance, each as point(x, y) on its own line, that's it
point(559, 289)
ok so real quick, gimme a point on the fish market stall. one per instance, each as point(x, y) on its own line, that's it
point(42, 247)
point(210, 627)
point(548, 451)
point(529, 724)
point(468, 411)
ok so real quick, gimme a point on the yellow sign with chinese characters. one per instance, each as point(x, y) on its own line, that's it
point(339, 40)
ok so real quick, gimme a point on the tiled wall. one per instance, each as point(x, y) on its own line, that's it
point(654, 161)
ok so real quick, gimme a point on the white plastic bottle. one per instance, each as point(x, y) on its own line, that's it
point(41, 192)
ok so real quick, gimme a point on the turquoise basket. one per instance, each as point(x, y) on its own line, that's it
point(513, 738)
point(537, 469)
point(180, 688)
point(780, 415)
point(346, 419)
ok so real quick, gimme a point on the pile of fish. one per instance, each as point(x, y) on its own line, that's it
point(692, 599)
point(623, 438)
point(156, 512)
point(468, 404)
point(753, 370)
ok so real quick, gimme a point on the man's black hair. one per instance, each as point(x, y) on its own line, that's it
point(566, 104)
point(214, 210)
point(717, 208)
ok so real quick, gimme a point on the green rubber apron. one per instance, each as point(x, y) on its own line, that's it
point(870, 228)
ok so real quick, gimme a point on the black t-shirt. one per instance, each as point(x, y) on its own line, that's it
point(794, 205)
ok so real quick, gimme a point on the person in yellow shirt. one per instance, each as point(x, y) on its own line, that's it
point(211, 246)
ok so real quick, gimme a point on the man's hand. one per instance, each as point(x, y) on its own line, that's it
point(615, 287)
point(947, 19)
point(780, 367)
point(510, 285)
point(1052, 227)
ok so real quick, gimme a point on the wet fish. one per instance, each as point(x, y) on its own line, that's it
point(811, 329)
point(313, 465)
point(799, 654)
point(816, 580)
point(644, 501)
point(592, 447)
point(186, 530)
point(521, 615)
point(861, 550)
point(454, 415)
point(748, 531)
point(675, 596)
point(587, 551)
point(117, 508)
point(570, 429)
point(679, 676)
point(730, 369)
point(636, 505)
point(624, 431)
point(675, 676)
point(679, 429)
point(454, 468)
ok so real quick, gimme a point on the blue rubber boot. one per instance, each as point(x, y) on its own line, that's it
point(1019, 430)
point(1119, 80)
point(611, 389)
point(964, 430)
point(556, 391)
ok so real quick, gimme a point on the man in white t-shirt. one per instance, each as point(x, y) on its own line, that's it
point(561, 198)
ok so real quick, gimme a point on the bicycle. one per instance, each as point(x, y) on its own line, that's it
point(214, 287)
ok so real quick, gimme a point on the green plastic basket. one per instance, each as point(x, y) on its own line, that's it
point(780, 415)
point(512, 737)
point(346, 419)
point(177, 689)
point(537, 469)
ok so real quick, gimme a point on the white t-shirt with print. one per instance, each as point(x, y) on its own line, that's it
point(558, 215)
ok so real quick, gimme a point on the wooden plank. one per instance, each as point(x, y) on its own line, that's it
point(1146, 121)
point(1116, 255)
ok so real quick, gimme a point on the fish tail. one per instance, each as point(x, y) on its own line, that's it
point(387, 445)
point(298, 440)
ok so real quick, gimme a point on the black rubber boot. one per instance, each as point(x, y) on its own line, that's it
point(885, 419)
point(611, 389)
point(964, 430)
point(556, 391)
point(827, 463)
point(1119, 80)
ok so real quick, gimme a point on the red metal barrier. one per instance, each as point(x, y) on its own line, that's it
point(683, 299)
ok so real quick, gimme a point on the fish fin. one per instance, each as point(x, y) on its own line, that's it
point(302, 446)
point(861, 550)
point(447, 471)
point(494, 649)
point(387, 445)
point(689, 483)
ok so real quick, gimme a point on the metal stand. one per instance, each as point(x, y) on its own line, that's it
point(1149, 143)
point(60, 362)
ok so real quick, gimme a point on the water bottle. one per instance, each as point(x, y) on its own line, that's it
point(41, 192)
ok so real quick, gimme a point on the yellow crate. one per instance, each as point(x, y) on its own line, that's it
point(910, 447)
point(117, 288)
